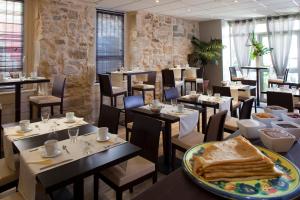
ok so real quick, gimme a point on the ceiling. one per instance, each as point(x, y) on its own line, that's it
point(203, 10)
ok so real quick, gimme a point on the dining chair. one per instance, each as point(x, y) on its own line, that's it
point(56, 99)
point(214, 132)
point(231, 123)
point(198, 79)
point(282, 99)
point(148, 85)
point(226, 92)
point(279, 80)
point(131, 102)
point(233, 75)
point(145, 134)
point(171, 93)
point(8, 177)
point(106, 89)
point(109, 117)
point(242, 98)
point(168, 80)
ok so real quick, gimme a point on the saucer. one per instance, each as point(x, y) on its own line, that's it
point(55, 154)
point(24, 131)
point(103, 140)
point(70, 121)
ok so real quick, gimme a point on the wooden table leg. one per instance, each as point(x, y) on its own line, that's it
point(129, 84)
point(167, 147)
point(204, 119)
point(78, 189)
point(258, 86)
point(17, 102)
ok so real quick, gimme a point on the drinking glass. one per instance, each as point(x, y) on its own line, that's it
point(45, 117)
point(294, 89)
point(73, 134)
point(209, 92)
point(174, 102)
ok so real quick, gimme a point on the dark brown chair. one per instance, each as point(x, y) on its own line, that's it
point(279, 80)
point(168, 80)
point(226, 92)
point(193, 80)
point(145, 134)
point(171, 93)
point(109, 117)
point(56, 99)
point(233, 75)
point(282, 99)
point(131, 102)
point(106, 89)
point(214, 132)
point(231, 124)
point(148, 85)
point(252, 84)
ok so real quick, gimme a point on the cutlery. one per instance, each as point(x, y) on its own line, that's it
point(41, 162)
point(33, 149)
point(65, 148)
point(27, 136)
point(55, 164)
point(112, 145)
point(88, 134)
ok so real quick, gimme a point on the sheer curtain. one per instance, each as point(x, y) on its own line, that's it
point(240, 31)
point(280, 37)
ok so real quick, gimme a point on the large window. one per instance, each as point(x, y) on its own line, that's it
point(110, 41)
point(11, 35)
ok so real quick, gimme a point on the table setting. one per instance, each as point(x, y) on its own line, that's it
point(56, 153)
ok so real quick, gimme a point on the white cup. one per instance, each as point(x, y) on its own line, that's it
point(70, 116)
point(102, 133)
point(33, 74)
point(24, 125)
point(180, 108)
point(193, 92)
point(155, 103)
point(51, 147)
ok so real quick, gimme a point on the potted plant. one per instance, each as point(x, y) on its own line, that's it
point(257, 49)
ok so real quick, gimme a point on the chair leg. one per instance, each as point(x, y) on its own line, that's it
point(255, 106)
point(39, 112)
point(61, 108)
point(131, 189)
point(154, 94)
point(52, 111)
point(173, 157)
point(115, 101)
point(30, 110)
point(143, 94)
point(181, 91)
point(96, 187)
point(101, 100)
point(119, 195)
point(154, 178)
point(185, 86)
point(111, 101)
point(127, 135)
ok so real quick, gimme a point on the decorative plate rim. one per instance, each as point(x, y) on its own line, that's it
point(219, 192)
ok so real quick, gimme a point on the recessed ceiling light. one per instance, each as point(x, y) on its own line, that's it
point(156, 1)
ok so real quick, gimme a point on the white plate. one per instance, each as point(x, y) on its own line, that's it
point(25, 131)
point(103, 140)
point(70, 121)
point(45, 155)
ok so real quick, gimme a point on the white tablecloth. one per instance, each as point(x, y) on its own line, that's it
point(85, 146)
point(188, 118)
point(224, 102)
point(38, 128)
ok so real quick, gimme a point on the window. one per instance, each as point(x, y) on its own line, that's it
point(11, 35)
point(110, 41)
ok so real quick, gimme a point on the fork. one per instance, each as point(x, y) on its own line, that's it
point(65, 148)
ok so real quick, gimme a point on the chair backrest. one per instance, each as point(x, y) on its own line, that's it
point(168, 79)
point(233, 73)
point(109, 117)
point(105, 84)
point(58, 88)
point(246, 109)
point(171, 93)
point(282, 99)
point(251, 83)
point(131, 102)
point(200, 72)
point(215, 127)
point(223, 91)
point(151, 78)
point(286, 73)
point(145, 134)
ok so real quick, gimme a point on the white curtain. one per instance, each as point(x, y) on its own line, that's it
point(280, 37)
point(240, 32)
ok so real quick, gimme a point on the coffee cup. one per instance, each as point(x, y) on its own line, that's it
point(51, 147)
point(24, 125)
point(102, 133)
point(180, 108)
point(33, 74)
point(70, 116)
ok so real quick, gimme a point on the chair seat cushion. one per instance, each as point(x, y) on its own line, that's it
point(189, 140)
point(190, 79)
point(235, 105)
point(275, 80)
point(13, 196)
point(231, 124)
point(136, 167)
point(117, 90)
point(143, 86)
point(179, 83)
point(44, 99)
point(237, 78)
point(6, 175)
point(244, 98)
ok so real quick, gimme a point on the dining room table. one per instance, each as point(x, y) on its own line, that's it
point(258, 71)
point(178, 185)
point(17, 83)
point(129, 74)
point(75, 162)
point(188, 120)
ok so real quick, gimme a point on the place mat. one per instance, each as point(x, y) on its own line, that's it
point(12, 134)
point(32, 162)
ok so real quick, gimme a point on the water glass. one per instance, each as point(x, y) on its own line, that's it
point(294, 89)
point(209, 92)
point(45, 117)
point(73, 134)
point(173, 102)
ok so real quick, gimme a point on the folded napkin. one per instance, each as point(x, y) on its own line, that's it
point(41, 162)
